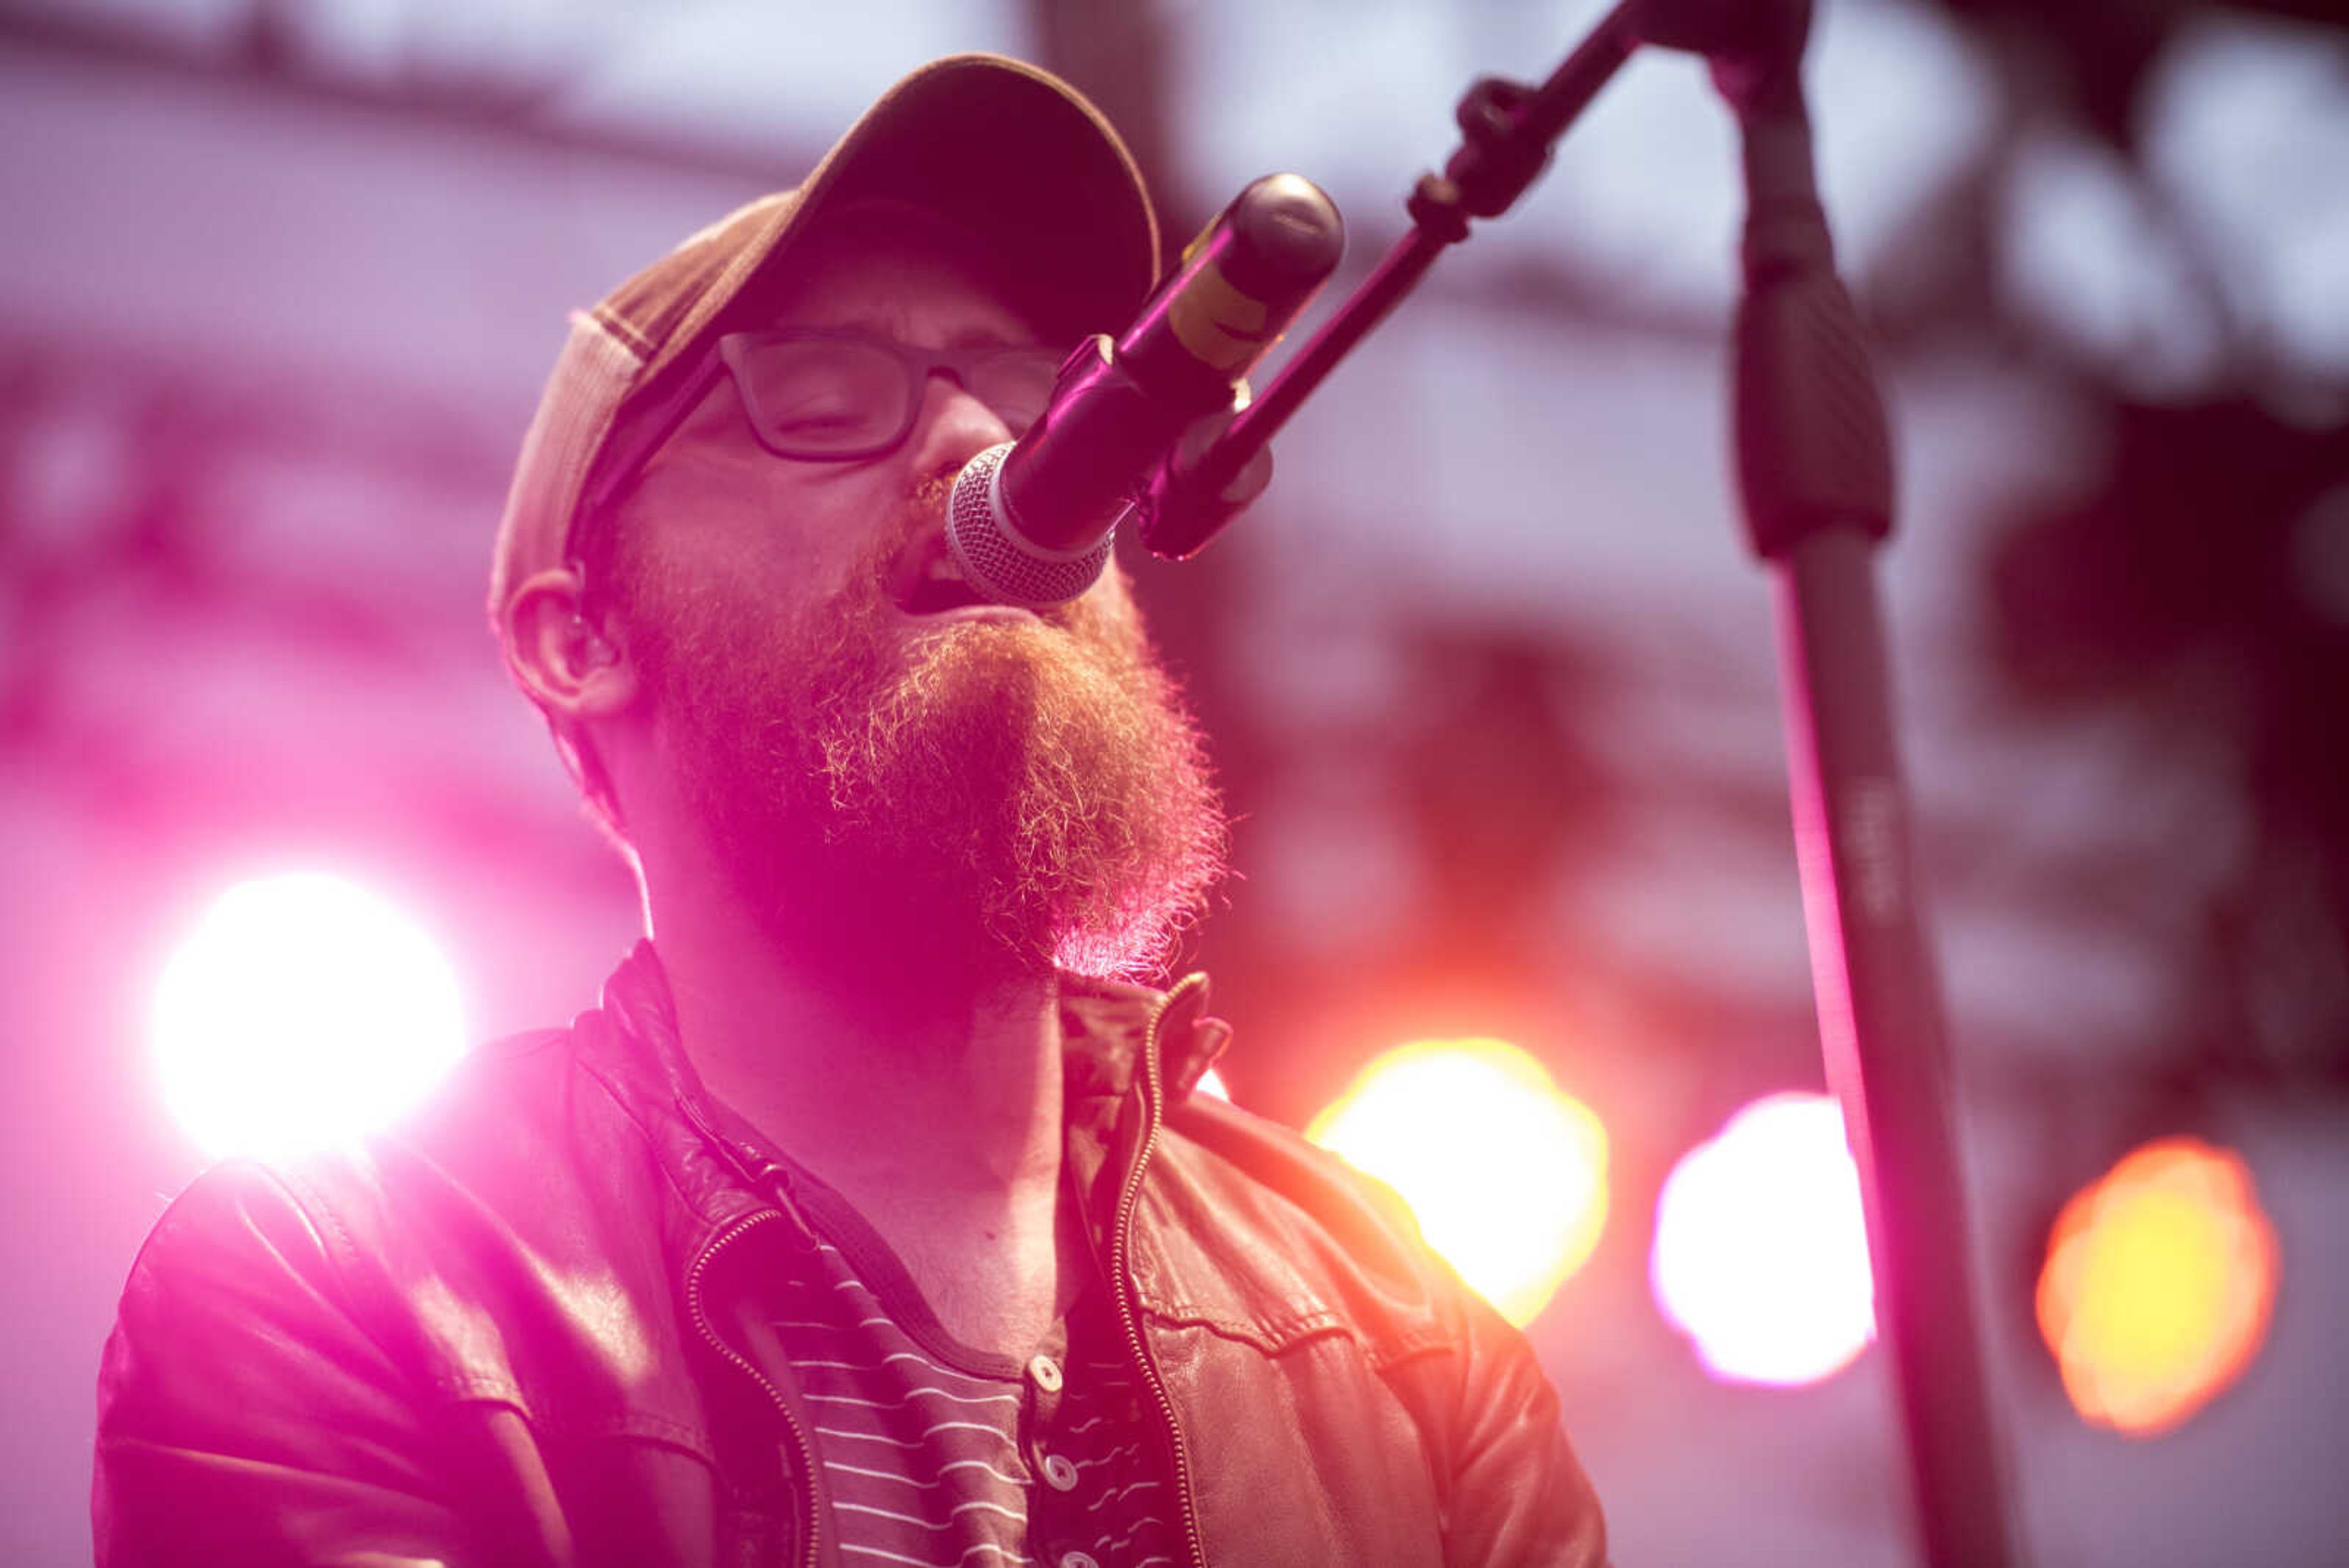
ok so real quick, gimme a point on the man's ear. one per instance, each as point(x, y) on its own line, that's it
point(572, 666)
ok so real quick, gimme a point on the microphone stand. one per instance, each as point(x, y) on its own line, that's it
point(1815, 474)
point(1507, 130)
point(1815, 478)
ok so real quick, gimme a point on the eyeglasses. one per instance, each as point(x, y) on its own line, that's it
point(820, 396)
point(835, 397)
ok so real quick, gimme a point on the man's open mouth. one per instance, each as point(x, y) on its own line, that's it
point(928, 583)
point(937, 596)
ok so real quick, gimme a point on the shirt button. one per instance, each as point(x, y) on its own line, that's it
point(1046, 1372)
point(1061, 1475)
point(1076, 1560)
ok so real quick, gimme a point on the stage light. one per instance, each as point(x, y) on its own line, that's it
point(301, 1011)
point(1506, 1176)
point(2159, 1281)
point(1211, 1082)
point(1761, 1248)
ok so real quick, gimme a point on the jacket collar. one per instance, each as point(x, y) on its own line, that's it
point(1107, 1029)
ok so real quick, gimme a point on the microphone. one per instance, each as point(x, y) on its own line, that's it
point(1030, 522)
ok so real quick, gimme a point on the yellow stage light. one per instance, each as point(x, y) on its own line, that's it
point(2159, 1281)
point(1507, 1175)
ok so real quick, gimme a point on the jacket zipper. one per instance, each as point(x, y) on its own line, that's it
point(694, 1303)
point(1120, 1269)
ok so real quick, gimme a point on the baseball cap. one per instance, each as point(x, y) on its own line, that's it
point(1007, 152)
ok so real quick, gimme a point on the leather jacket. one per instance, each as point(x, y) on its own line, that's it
point(520, 1331)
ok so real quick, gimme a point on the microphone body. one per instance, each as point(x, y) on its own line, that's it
point(1030, 522)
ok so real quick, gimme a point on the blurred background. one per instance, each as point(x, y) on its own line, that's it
point(1490, 672)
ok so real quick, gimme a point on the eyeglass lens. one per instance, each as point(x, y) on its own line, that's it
point(831, 397)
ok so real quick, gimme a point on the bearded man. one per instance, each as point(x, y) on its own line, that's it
point(871, 1218)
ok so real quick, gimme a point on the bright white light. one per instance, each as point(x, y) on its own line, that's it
point(1211, 1082)
point(1761, 1251)
point(301, 1011)
point(1506, 1176)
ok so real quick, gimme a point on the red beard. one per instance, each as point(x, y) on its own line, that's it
point(987, 790)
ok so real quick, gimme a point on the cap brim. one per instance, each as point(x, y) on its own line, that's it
point(996, 148)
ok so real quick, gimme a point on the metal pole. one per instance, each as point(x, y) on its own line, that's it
point(1815, 474)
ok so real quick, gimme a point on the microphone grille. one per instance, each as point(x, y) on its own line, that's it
point(993, 558)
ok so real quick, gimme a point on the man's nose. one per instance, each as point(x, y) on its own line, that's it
point(953, 427)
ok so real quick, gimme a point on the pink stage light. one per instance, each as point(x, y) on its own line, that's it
point(1761, 1249)
point(302, 1011)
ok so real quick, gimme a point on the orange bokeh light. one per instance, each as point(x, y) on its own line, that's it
point(1505, 1173)
point(2159, 1281)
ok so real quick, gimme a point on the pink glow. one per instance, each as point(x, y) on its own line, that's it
point(1760, 1250)
point(302, 1010)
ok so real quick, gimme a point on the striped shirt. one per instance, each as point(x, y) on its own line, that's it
point(940, 1455)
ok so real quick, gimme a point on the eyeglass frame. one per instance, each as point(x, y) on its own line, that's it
point(725, 355)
